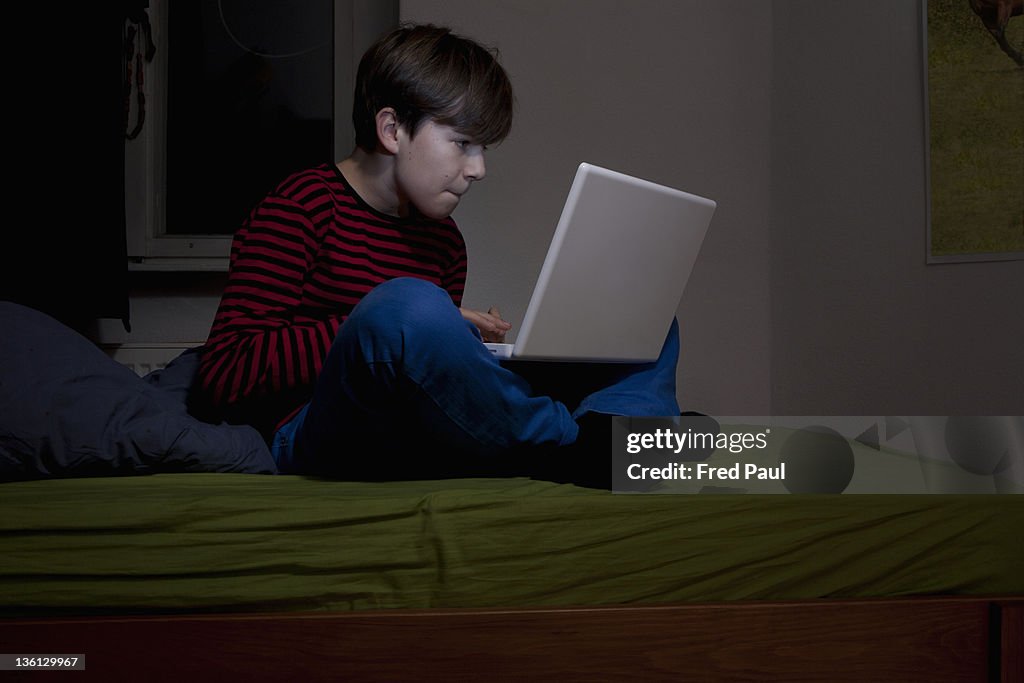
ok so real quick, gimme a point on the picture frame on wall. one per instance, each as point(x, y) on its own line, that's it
point(974, 129)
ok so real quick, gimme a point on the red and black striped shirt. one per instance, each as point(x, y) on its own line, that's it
point(303, 259)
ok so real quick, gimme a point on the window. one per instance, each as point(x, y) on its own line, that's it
point(239, 93)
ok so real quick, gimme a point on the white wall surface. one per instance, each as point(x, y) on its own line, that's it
point(862, 325)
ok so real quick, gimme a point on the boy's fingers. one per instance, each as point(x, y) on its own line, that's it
point(501, 323)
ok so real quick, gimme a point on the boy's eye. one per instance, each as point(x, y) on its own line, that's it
point(466, 144)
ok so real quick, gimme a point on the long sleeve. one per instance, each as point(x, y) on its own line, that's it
point(261, 342)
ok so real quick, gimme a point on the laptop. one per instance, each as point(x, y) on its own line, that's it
point(615, 271)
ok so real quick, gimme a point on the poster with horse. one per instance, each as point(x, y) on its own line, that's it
point(974, 60)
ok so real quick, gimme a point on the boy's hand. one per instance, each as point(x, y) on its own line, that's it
point(492, 327)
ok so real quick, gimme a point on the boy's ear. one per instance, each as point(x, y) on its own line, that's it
point(387, 129)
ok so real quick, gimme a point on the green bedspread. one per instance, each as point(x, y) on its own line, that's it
point(237, 542)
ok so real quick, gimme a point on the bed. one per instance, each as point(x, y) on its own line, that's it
point(173, 553)
point(189, 573)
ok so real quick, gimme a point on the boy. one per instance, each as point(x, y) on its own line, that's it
point(340, 334)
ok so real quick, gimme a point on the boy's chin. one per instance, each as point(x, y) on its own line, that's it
point(437, 213)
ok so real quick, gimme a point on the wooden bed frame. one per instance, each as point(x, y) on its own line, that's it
point(904, 639)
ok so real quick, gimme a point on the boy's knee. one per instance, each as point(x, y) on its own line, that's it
point(404, 306)
point(409, 298)
point(410, 290)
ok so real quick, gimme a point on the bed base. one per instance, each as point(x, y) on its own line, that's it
point(906, 639)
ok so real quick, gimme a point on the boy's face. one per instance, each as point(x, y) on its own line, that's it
point(436, 167)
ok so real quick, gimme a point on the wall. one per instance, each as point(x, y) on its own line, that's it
point(861, 325)
point(676, 92)
point(170, 311)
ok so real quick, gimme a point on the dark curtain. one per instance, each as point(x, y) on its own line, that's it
point(65, 252)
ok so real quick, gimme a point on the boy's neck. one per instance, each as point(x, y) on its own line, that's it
point(371, 175)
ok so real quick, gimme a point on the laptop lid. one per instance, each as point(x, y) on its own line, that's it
point(615, 270)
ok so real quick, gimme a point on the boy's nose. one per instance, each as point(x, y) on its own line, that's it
point(476, 169)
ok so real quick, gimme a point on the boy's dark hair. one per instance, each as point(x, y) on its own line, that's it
point(427, 72)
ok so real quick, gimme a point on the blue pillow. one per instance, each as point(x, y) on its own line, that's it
point(67, 410)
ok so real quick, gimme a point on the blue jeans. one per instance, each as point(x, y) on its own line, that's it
point(407, 375)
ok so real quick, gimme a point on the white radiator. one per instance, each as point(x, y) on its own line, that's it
point(144, 357)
